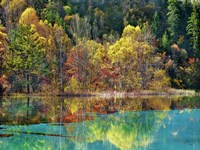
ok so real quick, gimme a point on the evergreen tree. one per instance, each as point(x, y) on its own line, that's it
point(26, 54)
point(173, 19)
point(155, 24)
point(193, 29)
point(165, 41)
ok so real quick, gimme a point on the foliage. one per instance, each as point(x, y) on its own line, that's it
point(165, 41)
point(29, 17)
point(155, 24)
point(3, 45)
point(193, 29)
point(26, 52)
point(74, 85)
point(132, 56)
point(173, 18)
point(160, 81)
point(101, 44)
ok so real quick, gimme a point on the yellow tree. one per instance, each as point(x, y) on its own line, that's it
point(63, 44)
point(11, 10)
point(96, 53)
point(3, 48)
point(3, 45)
point(29, 17)
point(131, 54)
point(133, 57)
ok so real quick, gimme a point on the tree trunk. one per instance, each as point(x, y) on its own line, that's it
point(61, 68)
point(27, 112)
point(28, 83)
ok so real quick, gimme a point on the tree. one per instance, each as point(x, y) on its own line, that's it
point(81, 31)
point(39, 5)
point(52, 13)
point(89, 67)
point(132, 56)
point(57, 44)
point(173, 18)
point(12, 10)
point(165, 41)
point(63, 44)
point(160, 80)
point(26, 53)
point(193, 29)
point(155, 24)
point(3, 49)
point(29, 17)
point(3, 46)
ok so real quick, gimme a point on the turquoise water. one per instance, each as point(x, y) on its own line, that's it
point(124, 128)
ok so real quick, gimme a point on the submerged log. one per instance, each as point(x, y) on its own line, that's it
point(5, 135)
point(38, 133)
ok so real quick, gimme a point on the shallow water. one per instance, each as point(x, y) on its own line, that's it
point(51, 123)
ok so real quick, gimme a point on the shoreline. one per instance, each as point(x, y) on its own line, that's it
point(117, 94)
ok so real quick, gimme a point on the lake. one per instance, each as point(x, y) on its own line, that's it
point(90, 123)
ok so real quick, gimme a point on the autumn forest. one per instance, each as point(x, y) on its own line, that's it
point(72, 46)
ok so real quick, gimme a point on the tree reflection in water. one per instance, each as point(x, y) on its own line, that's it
point(129, 130)
point(89, 123)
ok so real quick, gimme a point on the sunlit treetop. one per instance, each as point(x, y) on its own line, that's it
point(29, 16)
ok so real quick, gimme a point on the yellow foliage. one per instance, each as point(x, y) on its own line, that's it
point(137, 29)
point(160, 80)
point(14, 5)
point(3, 39)
point(74, 108)
point(74, 85)
point(132, 54)
point(2, 2)
point(29, 17)
point(117, 136)
point(128, 30)
point(95, 52)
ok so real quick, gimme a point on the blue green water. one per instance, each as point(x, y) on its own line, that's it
point(125, 128)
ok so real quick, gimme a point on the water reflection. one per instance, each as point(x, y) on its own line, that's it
point(130, 130)
point(53, 109)
point(95, 123)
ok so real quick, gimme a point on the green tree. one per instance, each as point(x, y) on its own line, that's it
point(193, 29)
point(155, 24)
point(165, 41)
point(173, 19)
point(52, 13)
point(26, 53)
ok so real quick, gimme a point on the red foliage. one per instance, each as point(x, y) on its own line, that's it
point(191, 60)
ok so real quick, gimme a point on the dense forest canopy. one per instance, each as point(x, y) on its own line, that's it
point(93, 45)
